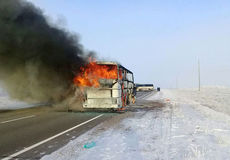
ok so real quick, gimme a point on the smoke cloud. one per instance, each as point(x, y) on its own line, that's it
point(38, 61)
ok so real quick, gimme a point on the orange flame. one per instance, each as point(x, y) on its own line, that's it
point(91, 73)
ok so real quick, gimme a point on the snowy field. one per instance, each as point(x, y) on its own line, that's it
point(216, 98)
point(190, 125)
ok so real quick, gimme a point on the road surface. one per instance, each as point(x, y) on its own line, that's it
point(22, 129)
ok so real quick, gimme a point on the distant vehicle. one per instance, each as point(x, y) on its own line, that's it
point(115, 91)
point(144, 87)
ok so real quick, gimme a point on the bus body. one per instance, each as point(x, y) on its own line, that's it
point(144, 87)
point(113, 93)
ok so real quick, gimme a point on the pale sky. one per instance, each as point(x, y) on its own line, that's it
point(160, 41)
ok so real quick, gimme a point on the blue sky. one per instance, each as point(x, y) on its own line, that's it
point(160, 41)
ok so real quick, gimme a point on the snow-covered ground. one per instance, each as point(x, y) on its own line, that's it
point(190, 125)
point(216, 98)
point(7, 103)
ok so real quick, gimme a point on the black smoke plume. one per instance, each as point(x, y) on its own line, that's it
point(38, 61)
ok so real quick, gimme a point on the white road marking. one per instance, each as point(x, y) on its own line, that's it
point(12, 120)
point(48, 139)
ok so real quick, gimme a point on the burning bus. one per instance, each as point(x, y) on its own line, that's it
point(106, 85)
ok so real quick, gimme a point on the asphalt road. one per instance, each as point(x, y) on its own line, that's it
point(144, 94)
point(35, 132)
point(24, 128)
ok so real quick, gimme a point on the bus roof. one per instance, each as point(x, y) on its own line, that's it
point(113, 63)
